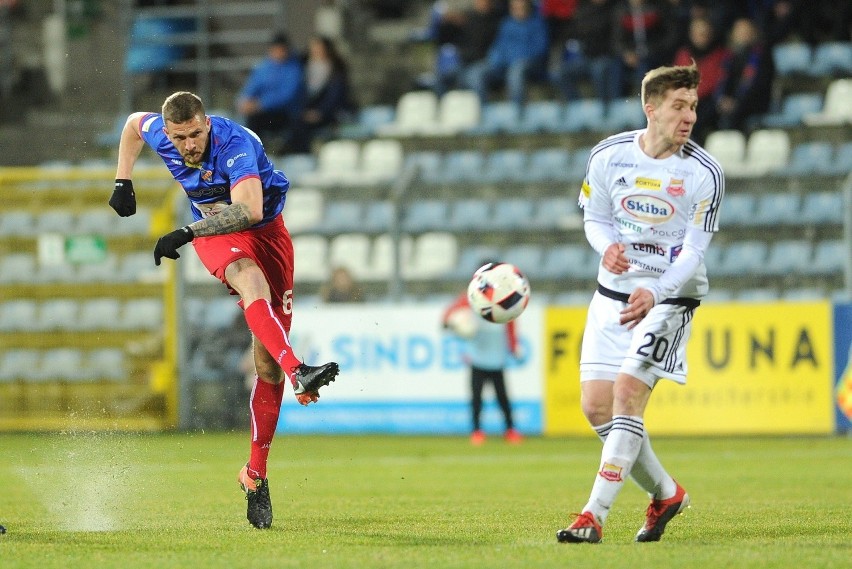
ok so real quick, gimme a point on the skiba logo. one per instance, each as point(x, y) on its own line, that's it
point(648, 208)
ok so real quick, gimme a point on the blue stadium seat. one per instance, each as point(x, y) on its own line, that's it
point(777, 208)
point(832, 59)
point(542, 116)
point(378, 216)
point(529, 258)
point(789, 256)
point(823, 208)
point(803, 294)
point(462, 166)
point(19, 364)
point(429, 163)
point(470, 259)
point(793, 108)
point(507, 165)
point(342, 216)
point(842, 163)
point(743, 258)
point(624, 114)
point(792, 58)
point(149, 48)
point(549, 165)
point(814, 157)
point(583, 115)
point(570, 261)
point(829, 258)
point(425, 215)
point(470, 215)
point(579, 161)
point(513, 213)
point(738, 209)
point(295, 166)
point(498, 117)
point(370, 119)
point(560, 212)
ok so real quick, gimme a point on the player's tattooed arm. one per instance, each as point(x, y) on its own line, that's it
point(233, 218)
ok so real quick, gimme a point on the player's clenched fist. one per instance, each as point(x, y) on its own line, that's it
point(123, 199)
point(168, 244)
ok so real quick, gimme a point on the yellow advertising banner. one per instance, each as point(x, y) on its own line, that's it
point(752, 369)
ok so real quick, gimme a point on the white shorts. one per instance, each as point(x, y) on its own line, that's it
point(655, 349)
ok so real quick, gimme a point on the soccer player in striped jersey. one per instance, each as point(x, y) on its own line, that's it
point(651, 200)
point(236, 197)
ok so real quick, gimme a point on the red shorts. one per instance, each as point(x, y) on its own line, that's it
point(269, 246)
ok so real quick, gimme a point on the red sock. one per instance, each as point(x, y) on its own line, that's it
point(269, 329)
point(265, 404)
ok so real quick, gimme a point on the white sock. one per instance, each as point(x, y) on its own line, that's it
point(619, 453)
point(648, 473)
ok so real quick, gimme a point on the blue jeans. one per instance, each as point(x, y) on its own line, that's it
point(482, 76)
point(605, 73)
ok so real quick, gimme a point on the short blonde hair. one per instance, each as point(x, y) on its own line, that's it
point(657, 81)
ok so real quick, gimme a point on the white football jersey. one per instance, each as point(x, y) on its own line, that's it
point(651, 203)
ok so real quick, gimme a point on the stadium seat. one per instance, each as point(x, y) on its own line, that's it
point(768, 151)
point(17, 267)
point(429, 164)
point(814, 157)
point(793, 58)
point(624, 114)
point(17, 223)
point(297, 167)
point(823, 208)
point(569, 261)
point(738, 209)
point(758, 294)
point(579, 160)
point(743, 258)
point(342, 216)
point(370, 119)
point(786, 257)
point(425, 215)
point(830, 258)
point(19, 315)
point(777, 208)
point(832, 59)
point(103, 271)
point(310, 252)
point(718, 295)
point(19, 364)
point(729, 148)
point(514, 214)
point(560, 212)
point(142, 314)
point(139, 267)
point(381, 265)
point(462, 166)
point(836, 109)
point(98, 221)
point(303, 209)
point(435, 254)
point(542, 116)
point(378, 216)
point(381, 161)
point(352, 251)
point(99, 314)
point(55, 272)
point(149, 50)
point(416, 113)
point(337, 160)
point(106, 363)
point(803, 294)
point(584, 115)
point(470, 259)
point(470, 215)
point(56, 221)
point(507, 165)
point(137, 224)
point(794, 107)
point(549, 165)
point(527, 257)
point(458, 112)
point(58, 314)
point(219, 312)
point(63, 364)
point(842, 163)
point(498, 117)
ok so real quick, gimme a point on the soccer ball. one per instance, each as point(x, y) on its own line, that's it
point(498, 292)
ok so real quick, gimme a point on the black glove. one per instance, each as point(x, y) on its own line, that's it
point(168, 244)
point(123, 199)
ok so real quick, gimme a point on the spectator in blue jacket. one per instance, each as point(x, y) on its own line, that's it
point(518, 55)
point(271, 101)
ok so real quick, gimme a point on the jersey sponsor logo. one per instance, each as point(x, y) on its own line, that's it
point(621, 182)
point(210, 192)
point(674, 252)
point(675, 187)
point(177, 162)
point(231, 161)
point(629, 224)
point(236, 250)
point(586, 189)
point(648, 184)
point(652, 248)
point(610, 472)
point(622, 165)
point(648, 208)
point(676, 233)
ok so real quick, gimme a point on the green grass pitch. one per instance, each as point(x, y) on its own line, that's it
point(162, 501)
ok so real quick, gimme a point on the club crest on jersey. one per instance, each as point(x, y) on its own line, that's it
point(675, 188)
point(650, 209)
point(207, 175)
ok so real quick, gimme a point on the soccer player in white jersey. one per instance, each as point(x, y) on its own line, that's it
point(651, 202)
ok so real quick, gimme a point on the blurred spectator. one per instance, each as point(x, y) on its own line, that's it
point(646, 36)
point(588, 53)
point(558, 14)
point(328, 101)
point(709, 55)
point(463, 38)
point(518, 55)
point(272, 98)
point(777, 20)
point(745, 88)
point(340, 287)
